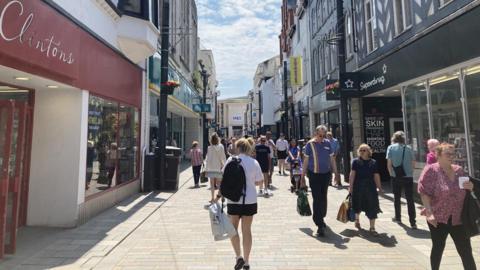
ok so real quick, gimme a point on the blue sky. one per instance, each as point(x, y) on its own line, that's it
point(241, 34)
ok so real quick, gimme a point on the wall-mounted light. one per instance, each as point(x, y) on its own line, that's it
point(52, 86)
point(22, 78)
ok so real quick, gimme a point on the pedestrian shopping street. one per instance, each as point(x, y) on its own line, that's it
point(172, 231)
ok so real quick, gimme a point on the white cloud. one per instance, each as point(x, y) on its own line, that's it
point(241, 33)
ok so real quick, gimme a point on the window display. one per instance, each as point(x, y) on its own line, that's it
point(447, 114)
point(472, 85)
point(112, 146)
point(417, 122)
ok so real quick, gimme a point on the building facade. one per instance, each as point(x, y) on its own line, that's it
point(183, 124)
point(232, 113)
point(419, 72)
point(71, 96)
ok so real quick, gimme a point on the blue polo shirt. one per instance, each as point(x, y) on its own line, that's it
point(395, 153)
point(319, 154)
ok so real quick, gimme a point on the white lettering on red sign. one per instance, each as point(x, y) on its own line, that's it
point(48, 46)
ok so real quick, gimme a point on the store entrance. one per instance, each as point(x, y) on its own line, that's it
point(382, 116)
point(15, 141)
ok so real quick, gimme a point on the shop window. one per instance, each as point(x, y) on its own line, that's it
point(349, 34)
point(417, 122)
point(112, 146)
point(447, 114)
point(472, 84)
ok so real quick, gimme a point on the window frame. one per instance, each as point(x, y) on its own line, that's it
point(349, 34)
point(370, 33)
point(403, 24)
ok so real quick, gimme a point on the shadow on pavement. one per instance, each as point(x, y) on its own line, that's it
point(382, 238)
point(418, 233)
point(330, 238)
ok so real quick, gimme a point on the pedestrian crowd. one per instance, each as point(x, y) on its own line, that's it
point(444, 187)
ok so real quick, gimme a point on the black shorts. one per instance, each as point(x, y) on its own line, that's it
point(241, 209)
point(282, 154)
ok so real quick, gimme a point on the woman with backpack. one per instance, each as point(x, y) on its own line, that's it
point(246, 207)
point(214, 163)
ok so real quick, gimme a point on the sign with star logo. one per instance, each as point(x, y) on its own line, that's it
point(349, 81)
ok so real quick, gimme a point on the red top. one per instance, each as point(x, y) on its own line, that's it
point(446, 196)
point(431, 158)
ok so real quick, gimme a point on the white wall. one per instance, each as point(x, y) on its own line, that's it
point(270, 101)
point(94, 17)
point(57, 171)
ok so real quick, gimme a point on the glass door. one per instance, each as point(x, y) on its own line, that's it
point(6, 127)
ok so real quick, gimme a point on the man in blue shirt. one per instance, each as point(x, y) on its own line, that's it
point(399, 154)
point(320, 164)
point(336, 151)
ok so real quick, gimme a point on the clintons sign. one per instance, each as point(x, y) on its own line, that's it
point(38, 39)
point(13, 13)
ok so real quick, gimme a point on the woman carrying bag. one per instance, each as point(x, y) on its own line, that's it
point(443, 187)
point(364, 187)
point(214, 163)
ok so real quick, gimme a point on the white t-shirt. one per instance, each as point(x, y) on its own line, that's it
point(253, 175)
point(282, 145)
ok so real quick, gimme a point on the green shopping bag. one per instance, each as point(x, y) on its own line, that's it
point(303, 207)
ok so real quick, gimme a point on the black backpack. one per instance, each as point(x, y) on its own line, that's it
point(234, 182)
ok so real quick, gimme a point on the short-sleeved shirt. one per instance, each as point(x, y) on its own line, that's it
point(262, 154)
point(319, 154)
point(294, 151)
point(395, 153)
point(253, 174)
point(364, 169)
point(282, 145)
point(196, 155)
point(446, 197)
point(335, 145)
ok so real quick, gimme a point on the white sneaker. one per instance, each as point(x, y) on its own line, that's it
point(268, 192)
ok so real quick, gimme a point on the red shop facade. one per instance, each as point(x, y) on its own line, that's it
point(69, 121)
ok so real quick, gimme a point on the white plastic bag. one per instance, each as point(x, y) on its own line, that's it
point(222, 228)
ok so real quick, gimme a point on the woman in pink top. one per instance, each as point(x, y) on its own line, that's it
point(443, 200)
point(431, 156)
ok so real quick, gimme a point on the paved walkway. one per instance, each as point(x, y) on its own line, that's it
point(172, 231)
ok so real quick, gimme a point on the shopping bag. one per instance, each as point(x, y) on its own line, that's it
point(203, 177)
point(303, 207)
point(222, 228)
point(350, 211)
point(342, 215)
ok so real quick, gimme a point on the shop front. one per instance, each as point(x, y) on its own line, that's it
point(183, 124)
point(69, 121)
point(436, 87)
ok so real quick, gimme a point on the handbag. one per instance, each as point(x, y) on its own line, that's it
point(303, 206)
point(203, 177)
point(399, 170)
point(350, 211)
point(471, 210)
point(342, 215)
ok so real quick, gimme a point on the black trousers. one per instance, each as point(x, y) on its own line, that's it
point(399, 184)
point(319, 184)
point(196, 174)
point(462, 243)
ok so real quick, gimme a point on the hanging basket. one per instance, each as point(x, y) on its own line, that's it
point(169, 86)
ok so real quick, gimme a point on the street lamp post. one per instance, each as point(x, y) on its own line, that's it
point(205, 76)
point(342, 66)
point(162, 119)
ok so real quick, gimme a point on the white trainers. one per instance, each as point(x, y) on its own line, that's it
point(268, 192)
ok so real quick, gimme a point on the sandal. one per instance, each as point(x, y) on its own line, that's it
point(373, 232)
point(357, 224)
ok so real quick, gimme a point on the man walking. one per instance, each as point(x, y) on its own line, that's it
point(320, 164)
point(336, 150)
point(401, 156)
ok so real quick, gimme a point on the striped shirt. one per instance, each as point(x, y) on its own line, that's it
point(196, 155)
point(319, 154)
